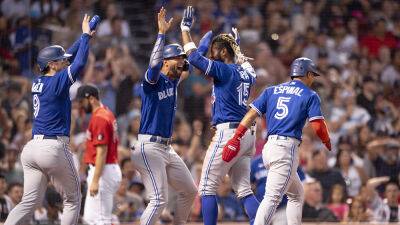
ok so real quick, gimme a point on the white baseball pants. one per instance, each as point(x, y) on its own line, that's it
point(98, 208)
point(45, 160)
point(215, 169)
point(281, 158)
point(159, 165)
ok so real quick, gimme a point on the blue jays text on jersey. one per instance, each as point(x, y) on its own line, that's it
point(158, 106)
point(231, 88)
point(51, 102)
point(286, 108)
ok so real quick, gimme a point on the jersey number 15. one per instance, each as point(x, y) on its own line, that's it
point(243, 93)
point(281, 105)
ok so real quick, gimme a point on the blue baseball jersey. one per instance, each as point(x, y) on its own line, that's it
point(51, 102)
point(231, 88)
point(258, 176)
point(158, 105)
point(287, 106)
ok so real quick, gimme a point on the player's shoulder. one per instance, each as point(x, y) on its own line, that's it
point(103, 114)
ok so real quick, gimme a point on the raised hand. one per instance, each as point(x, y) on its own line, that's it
point(205, 43)
point(235, 35)
point(86, 26)
point(163, 25)
point(187, 19)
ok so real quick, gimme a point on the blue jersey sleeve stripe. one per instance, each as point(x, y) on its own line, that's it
point(70, 75)
point(208, 67)
point(315, 118)
point(147, 79)
point(255, 108)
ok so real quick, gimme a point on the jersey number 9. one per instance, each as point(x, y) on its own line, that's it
point(36, 105)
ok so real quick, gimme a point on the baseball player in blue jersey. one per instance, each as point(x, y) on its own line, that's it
point(158, 164)
point(286, 107)
point(47, 156)
point(258, 177)
point(231, 91)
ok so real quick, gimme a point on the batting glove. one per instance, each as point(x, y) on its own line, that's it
point(231, 149)
point(187, 19)
point(328, 145)
point(204, 43)
point(235, 35)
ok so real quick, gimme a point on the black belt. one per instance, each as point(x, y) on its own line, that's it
point(50, 137)
point(234, 125)
point(164, 141)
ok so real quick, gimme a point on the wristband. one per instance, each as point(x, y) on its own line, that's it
point(189, 46)
point(240, 131)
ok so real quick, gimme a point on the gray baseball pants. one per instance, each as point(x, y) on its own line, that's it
point(159, 165)
point(45, 160)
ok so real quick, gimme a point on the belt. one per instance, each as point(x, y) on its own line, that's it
point(277, 137)
point(280, 137)
point(228, 125)
point(49, 137)
point(155, 139)
point(233, 125)
point(160, 140)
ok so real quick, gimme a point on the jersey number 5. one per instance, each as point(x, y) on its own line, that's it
point(282, 106)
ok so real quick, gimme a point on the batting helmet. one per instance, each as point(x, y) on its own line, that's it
point(51, 53)
point(173, 50)
point(301, 66)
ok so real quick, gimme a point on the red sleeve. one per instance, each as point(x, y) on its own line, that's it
point(321, 129)
point(101, 132)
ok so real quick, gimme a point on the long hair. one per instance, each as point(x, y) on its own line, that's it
point(225, 41)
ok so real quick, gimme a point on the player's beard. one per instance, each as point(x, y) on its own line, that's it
point(88, 108)
point(175, 72)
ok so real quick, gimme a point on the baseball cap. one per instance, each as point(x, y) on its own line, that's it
point(87, 90)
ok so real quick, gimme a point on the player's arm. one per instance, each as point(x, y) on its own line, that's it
point(81, 57)
point(101, 131)
point(320, 128)
point(258, 108)
point(317, 121)
point(101, 153)
point(153, 73)
point(73, 49)
point(195, 56)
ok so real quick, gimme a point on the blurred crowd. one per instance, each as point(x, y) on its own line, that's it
point(355, 44)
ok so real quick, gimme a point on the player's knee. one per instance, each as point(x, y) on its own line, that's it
point(207, 190)
point(296, 197)
point(192, 191)
point(273, 197)
point(241, 193)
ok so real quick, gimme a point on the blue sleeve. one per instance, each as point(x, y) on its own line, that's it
point(207, 66)
point(253, 171)
point(65, 78)
point(301, 173)
point(314, 108)
point(260, 104)
point(74, 49)
point(153, 73)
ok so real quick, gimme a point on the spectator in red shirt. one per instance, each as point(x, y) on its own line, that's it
point(104, 174)
point(378, 38)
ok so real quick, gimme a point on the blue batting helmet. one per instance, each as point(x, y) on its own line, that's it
point(173, 50)
point(301, 66)
point(51, 53)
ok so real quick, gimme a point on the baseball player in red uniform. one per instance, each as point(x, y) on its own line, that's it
point(104, 175)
